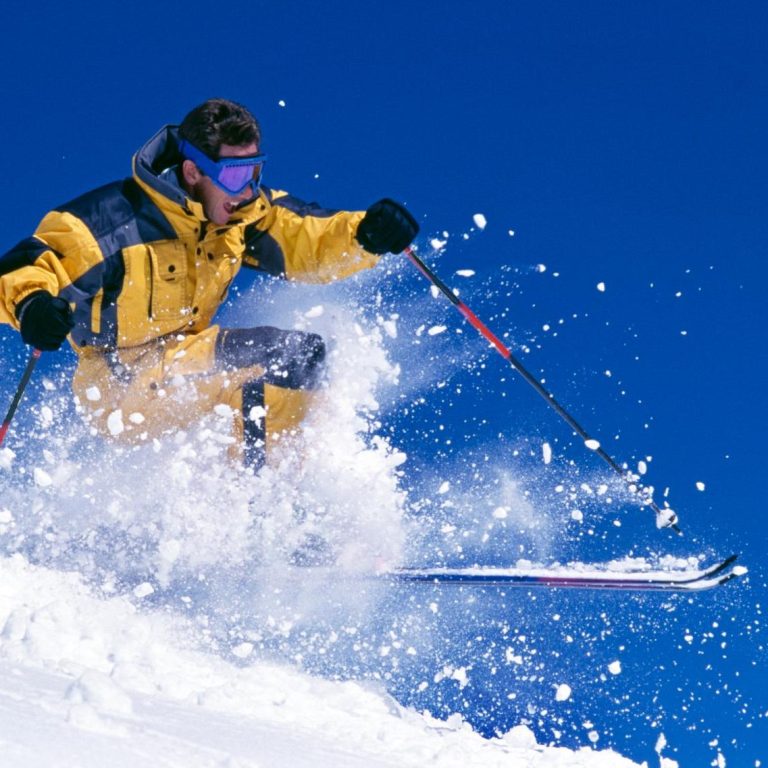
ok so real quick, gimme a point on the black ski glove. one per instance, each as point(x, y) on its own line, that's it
point(45, 320)
point(387, 227)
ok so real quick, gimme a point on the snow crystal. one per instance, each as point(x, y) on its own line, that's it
point(115, 422)
point(642, 467)
point(480, 221)
point(546, 450)
point(42, 478)
point(615, 667)
point(601, 287)
point(93, 394)
point(316, 311)
point(281, 103)
point(563, 692)
point(700, 486)
point(438, 245)
point(435, 329)
point(541, 267)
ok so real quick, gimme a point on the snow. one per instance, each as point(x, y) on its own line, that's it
point(480, 221)
point(88, 681)
point(563, 692)
point(113, 650)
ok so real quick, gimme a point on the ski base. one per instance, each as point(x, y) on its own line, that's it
point(565, 578)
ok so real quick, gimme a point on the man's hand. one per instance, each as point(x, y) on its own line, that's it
point(387, 227)
point(45, 320)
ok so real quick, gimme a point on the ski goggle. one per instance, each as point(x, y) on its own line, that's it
point(232, 174)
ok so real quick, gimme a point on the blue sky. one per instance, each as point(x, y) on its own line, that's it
point(622, 143)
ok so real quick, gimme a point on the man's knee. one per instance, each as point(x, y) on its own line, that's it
point(291, 359)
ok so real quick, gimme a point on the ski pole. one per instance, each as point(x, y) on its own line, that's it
point(665, 518)
point(19, 392)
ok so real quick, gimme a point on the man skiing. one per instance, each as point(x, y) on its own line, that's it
point(134, 272)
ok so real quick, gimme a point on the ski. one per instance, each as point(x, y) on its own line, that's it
point(575, 577)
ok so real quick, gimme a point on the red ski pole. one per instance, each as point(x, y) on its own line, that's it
point(665, 518)
point(19, 392)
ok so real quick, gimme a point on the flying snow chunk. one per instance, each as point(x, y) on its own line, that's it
point(136, 418)
point(438, 245)
point(577, 515)
point(593, 445)
point(243, 650)
point(315, 311)
point(115, 422)
point(615, 667)
point(700, 486)
point(6, 458)
point(563, 692)
point(444, 487)
point(465, 272)
point(257, 413)
point(546, 450)
point(281, 103)
point(42, 478)
point(601, 287)
point(501, 513)
point(143, 590)
point(541, 267)
point(390, 328)
point(93, 394)
point(480, 221)
point(666, 517)
point(435, 329)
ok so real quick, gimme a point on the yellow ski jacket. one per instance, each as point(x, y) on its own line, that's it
point(138, 260)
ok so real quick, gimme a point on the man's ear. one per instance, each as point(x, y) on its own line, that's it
point(191, 173)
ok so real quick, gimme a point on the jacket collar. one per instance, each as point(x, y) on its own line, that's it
point(152, 169)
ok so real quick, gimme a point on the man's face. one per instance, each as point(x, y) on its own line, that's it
point(219, 206)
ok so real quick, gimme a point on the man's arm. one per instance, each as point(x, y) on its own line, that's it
point(303, 241)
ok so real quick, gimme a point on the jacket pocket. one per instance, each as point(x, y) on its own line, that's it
point(169, 291)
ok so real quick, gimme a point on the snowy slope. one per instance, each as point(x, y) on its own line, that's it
point(87, 681)
point(135, 631)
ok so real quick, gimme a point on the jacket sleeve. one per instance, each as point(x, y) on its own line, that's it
point(54, 259)
point(305, 242)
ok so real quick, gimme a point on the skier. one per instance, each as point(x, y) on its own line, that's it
point(134, 272)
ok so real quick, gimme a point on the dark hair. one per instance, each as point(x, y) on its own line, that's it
point(219, 121)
